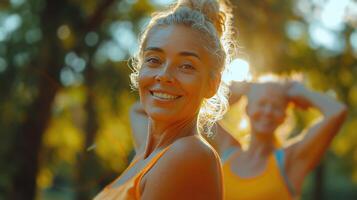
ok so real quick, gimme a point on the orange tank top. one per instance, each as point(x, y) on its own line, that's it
point(129, 190)
point(270, 185)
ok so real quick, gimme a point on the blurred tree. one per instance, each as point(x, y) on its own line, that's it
point(47, 65)
point(63, 34)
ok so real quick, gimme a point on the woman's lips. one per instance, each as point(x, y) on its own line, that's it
point(164, 96)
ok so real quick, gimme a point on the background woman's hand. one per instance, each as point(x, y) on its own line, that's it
point(237, 90)
point(297, 94)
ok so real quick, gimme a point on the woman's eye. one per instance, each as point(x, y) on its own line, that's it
point(187, 67)
point(152, 60)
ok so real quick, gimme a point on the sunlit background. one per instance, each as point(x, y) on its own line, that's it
point(65, 93)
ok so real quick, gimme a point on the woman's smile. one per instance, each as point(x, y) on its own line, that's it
point(164, 96)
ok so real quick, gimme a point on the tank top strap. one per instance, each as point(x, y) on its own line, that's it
point(155, 159)
point(228, 154)
point(132, 163)
point(280, 158)
point(147, 168)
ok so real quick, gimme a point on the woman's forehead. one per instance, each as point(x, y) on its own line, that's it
point(270, 91)
point(175, 37)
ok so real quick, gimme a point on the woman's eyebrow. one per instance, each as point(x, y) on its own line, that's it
point(183, 53)
point(153, 49)
point(189, 53)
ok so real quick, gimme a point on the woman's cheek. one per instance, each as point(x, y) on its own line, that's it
point(191, 82)
point(143, 81)
point(144, 75)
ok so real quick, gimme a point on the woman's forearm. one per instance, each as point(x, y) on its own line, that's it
point(304, 98)
point(328, 106)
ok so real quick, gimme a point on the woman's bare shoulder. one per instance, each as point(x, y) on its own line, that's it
point(189, 167)
point(193, 148)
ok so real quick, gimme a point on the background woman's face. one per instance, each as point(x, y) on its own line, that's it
point(266, 108)
point(175, 73)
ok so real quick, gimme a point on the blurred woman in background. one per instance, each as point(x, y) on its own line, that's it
point(267, 169)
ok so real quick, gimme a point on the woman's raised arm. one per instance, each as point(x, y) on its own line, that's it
point(303, 155)
point(139, 126)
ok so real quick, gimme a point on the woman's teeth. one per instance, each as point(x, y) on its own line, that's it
point(164, 95)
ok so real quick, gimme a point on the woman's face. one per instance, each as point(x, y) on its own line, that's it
point(175, 73)
point(266, 108)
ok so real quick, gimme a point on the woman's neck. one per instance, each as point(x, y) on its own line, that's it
point(261, 145)
point(161, 134)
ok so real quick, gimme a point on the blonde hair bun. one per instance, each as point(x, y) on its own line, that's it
point(212, 9)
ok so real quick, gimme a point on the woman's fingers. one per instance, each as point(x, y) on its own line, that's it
point(297, 95)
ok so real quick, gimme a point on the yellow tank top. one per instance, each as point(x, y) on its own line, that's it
point(269, 185)
point(129, 190)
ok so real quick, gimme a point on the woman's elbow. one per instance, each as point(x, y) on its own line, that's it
point(342, 112)
point(339, 115)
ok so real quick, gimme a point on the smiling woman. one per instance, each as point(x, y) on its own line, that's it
point(178, 75)
point(173, 77)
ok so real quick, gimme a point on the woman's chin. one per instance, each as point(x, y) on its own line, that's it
point(162, 116)
point(265, 130)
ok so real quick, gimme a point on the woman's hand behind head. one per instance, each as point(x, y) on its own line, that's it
point(296, 93)
point(237, 90)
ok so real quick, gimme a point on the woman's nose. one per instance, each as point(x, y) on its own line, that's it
point(164, 73)
point(268, 110)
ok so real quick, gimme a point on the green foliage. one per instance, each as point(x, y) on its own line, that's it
point(79, 49)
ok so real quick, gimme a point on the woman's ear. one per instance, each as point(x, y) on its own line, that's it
point(213, 85)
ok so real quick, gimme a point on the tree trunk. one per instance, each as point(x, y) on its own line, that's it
point(83, 186)
point(29, 142)
point(86, 158)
